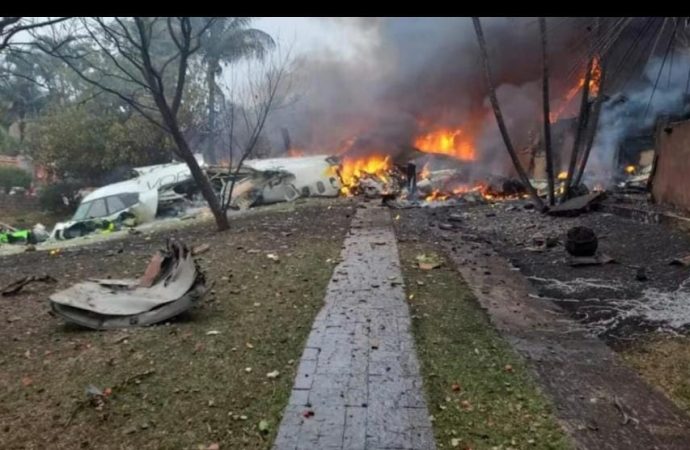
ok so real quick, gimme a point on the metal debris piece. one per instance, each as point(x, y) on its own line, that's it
point(682, 261)
point(16, 286)
point(578, 205)
point(595, 260)
point(171, 285)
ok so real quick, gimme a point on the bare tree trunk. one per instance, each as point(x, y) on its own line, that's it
point(135, 47)
point(173, 127)
point(592, 119)
point(286, 139)
point(581, 127)
point(547, 115)
point(199, 176)
point(592, 126)
point(499, 117)
point(211, 86)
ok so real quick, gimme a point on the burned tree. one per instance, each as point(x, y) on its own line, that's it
point(499, 116)
point(582, 121)
point(592, 125)
point(547, 114)
point(144, 62)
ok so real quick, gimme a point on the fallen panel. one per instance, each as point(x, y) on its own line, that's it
point(107, 322)
point(578, 205)
point(172, 284)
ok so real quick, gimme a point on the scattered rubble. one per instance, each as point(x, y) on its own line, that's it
point(16, 286)
point(12, 235)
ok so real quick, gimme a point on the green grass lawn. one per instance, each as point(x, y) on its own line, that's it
point(480, 393)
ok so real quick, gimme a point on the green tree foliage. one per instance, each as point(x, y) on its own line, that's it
point(228, 40)
point(8, 145)
point(75, 142)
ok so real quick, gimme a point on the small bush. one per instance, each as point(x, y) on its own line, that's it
point(62, 197)
point(14, 177)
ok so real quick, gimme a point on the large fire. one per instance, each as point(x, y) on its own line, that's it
point(447, 141)
point(594, 83)
point(352, 169)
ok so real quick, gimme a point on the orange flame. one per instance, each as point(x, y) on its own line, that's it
point(352, 169)
point(448, 142)
point(594, 84)
point(462, 189)
point(294, 153)
point(436, 195)
point(425, 173)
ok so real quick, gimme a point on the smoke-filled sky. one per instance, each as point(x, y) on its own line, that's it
point(385, 81)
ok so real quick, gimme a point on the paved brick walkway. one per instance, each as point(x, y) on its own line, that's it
point(359, 373)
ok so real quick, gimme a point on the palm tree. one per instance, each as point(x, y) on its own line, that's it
point(227, 40)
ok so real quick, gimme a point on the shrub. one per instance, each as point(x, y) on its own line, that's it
point(14, 177)
point(62, 197)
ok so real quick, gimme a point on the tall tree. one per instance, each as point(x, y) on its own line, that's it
point(21, 89)
point(499, 116)
point(582, 120)
point(228, 39)
point(11, 27)
point(547, 119)
point(142, 73)
point(246, 110)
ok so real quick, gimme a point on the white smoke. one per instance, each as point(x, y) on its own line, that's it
point(635, 110)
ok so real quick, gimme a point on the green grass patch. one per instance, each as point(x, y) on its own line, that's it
point(664, 361)
point(195, 382)
point(480, 393)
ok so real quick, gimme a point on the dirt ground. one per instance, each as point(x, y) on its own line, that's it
point(202, 378)
point(198, 380)
point(644, 320)
point(609, 298)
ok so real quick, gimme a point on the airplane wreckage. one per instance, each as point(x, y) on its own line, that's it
point(168, 189)
point(171, 284)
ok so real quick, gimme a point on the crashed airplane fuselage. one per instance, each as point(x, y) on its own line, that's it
point(259, 182)
point(137, 199)
point(266, 181)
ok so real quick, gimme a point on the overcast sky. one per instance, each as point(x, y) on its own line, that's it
point(312, 34)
